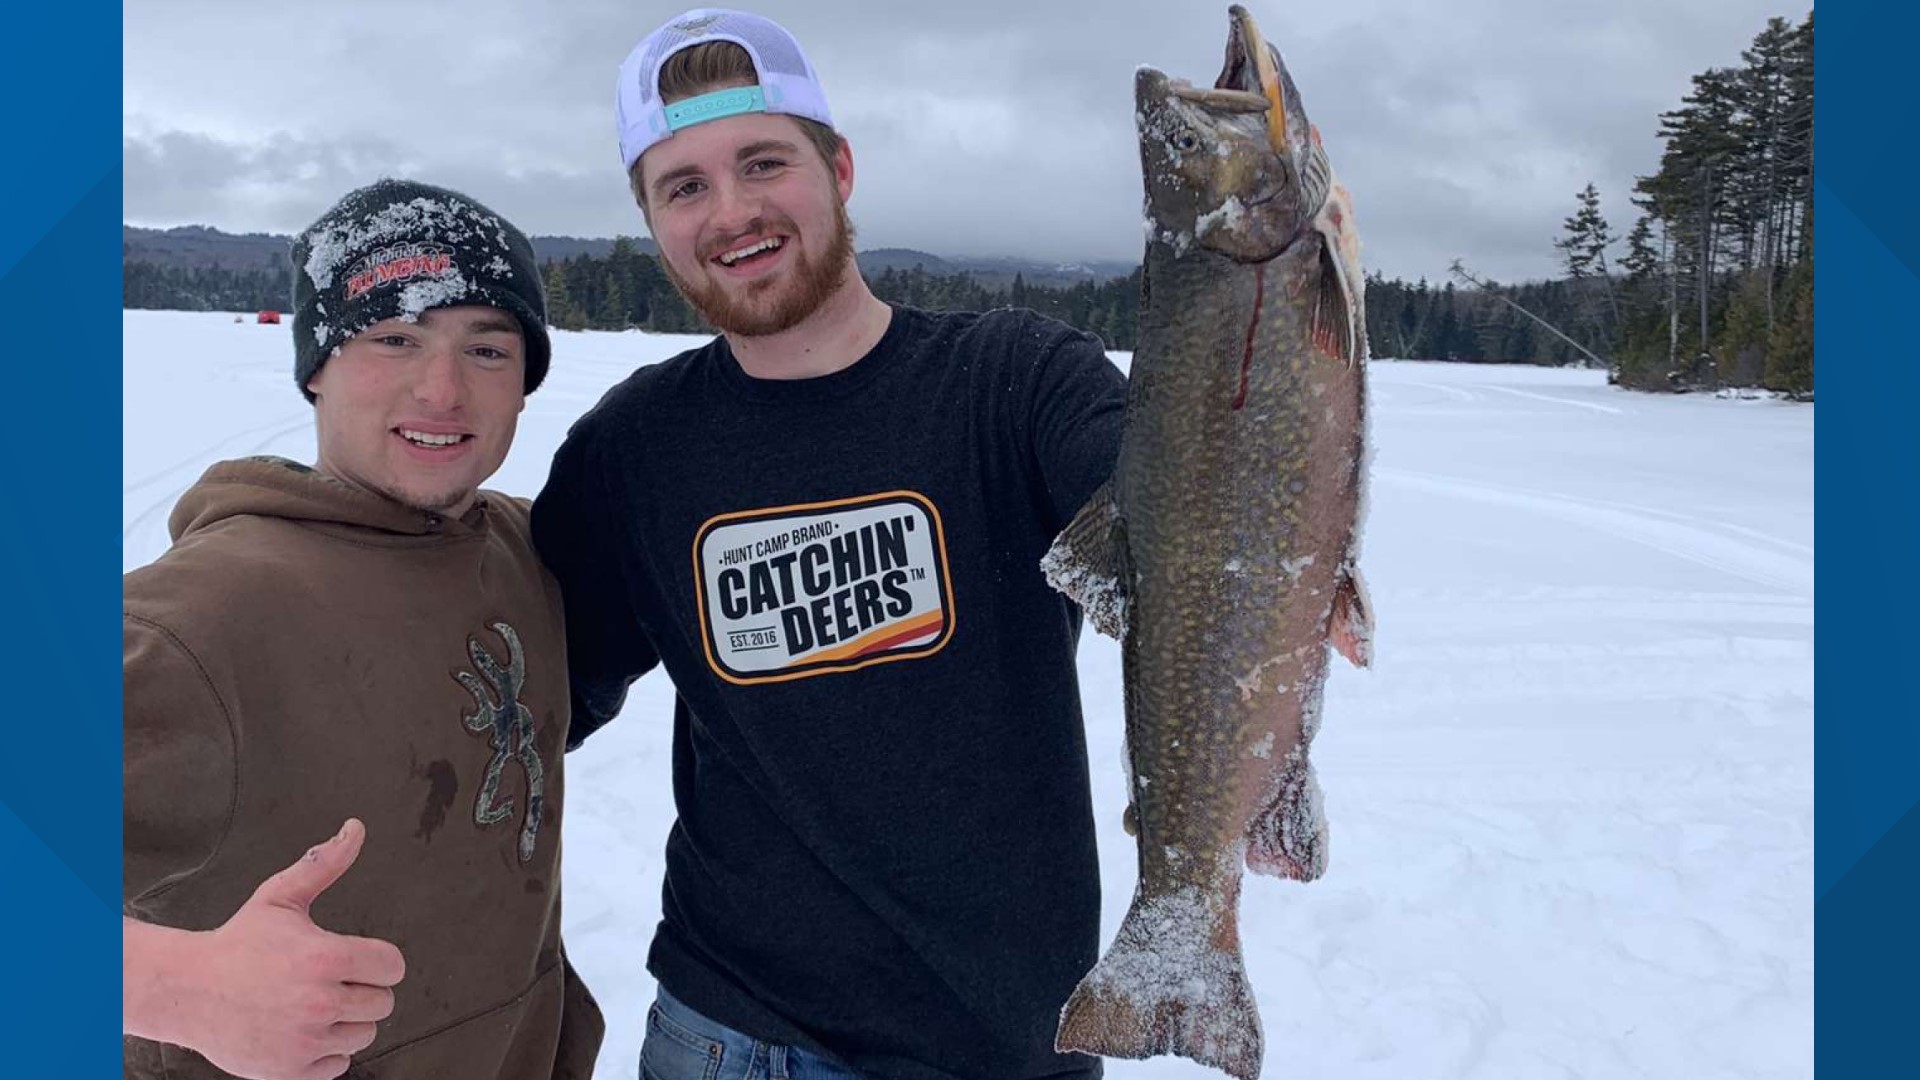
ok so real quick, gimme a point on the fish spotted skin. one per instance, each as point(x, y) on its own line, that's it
point(1222, 551)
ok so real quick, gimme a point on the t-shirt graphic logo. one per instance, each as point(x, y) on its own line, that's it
point(792, 591)
point(497, 710)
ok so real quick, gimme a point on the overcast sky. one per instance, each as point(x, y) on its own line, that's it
point(979, 127)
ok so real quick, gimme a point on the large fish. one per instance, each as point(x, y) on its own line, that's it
point(1222, 551)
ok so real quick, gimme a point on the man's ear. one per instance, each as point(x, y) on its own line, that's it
point(843, 169)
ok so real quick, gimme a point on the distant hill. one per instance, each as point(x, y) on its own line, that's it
point(196, 247)
point(199, 247)
point(996, 272)
point(880, 260)
point(548, 248)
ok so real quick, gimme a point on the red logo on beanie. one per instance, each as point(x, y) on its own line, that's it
point(398, 263)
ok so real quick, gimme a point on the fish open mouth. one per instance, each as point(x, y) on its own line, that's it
point(1250, 69)
point(1238, 73)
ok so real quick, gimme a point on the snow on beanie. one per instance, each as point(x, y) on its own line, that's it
point(397, 248)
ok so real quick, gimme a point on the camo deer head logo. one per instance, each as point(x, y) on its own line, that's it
point(498, 711)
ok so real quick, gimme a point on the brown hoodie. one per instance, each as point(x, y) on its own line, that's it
point(308, 652)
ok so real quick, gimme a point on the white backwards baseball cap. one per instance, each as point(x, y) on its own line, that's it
point(787, 81)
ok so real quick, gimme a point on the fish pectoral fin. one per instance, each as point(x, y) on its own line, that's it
point(1352, 628)
point(1333, 329)
point(1088, 562)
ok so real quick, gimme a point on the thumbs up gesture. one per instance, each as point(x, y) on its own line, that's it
point(270, 995)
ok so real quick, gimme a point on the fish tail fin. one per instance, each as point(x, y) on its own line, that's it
point(1172, 982)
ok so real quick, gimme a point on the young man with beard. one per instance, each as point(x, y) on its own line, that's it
point(375, 637)
point(826, 525)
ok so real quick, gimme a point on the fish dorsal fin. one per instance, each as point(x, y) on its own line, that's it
point(1088, 562)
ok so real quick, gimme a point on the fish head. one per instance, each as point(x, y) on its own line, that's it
point(1212, 181)
point(1232, 168)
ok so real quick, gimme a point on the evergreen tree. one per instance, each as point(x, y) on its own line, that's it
point(1740, 351)
point(1583, 251)
point(671, 314)
point(1732, 204)
point(615, 310)
point(1790, 348)
point(563, 312)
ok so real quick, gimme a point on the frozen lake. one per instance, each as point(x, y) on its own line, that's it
point(1571, 806)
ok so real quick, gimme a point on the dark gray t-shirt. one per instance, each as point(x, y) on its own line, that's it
point(885, 847)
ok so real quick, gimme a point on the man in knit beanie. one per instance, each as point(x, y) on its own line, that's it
point(414, 260)
point(397, 248)
point(370, 640)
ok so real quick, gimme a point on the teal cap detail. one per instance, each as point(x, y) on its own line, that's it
point(720, 103)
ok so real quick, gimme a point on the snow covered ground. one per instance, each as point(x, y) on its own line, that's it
point(1572, 806)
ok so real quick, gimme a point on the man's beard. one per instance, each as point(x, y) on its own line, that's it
point(811, 283)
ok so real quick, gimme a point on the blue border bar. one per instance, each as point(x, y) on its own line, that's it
point(1867, 534)
point(59, 539)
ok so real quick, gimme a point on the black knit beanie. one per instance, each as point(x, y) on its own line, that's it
point(397, 248)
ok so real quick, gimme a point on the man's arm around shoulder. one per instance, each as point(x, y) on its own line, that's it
point(575, 530)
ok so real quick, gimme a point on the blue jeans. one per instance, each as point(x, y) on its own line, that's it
point(684, 1045)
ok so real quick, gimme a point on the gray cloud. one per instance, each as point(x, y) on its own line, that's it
point(996, 127)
